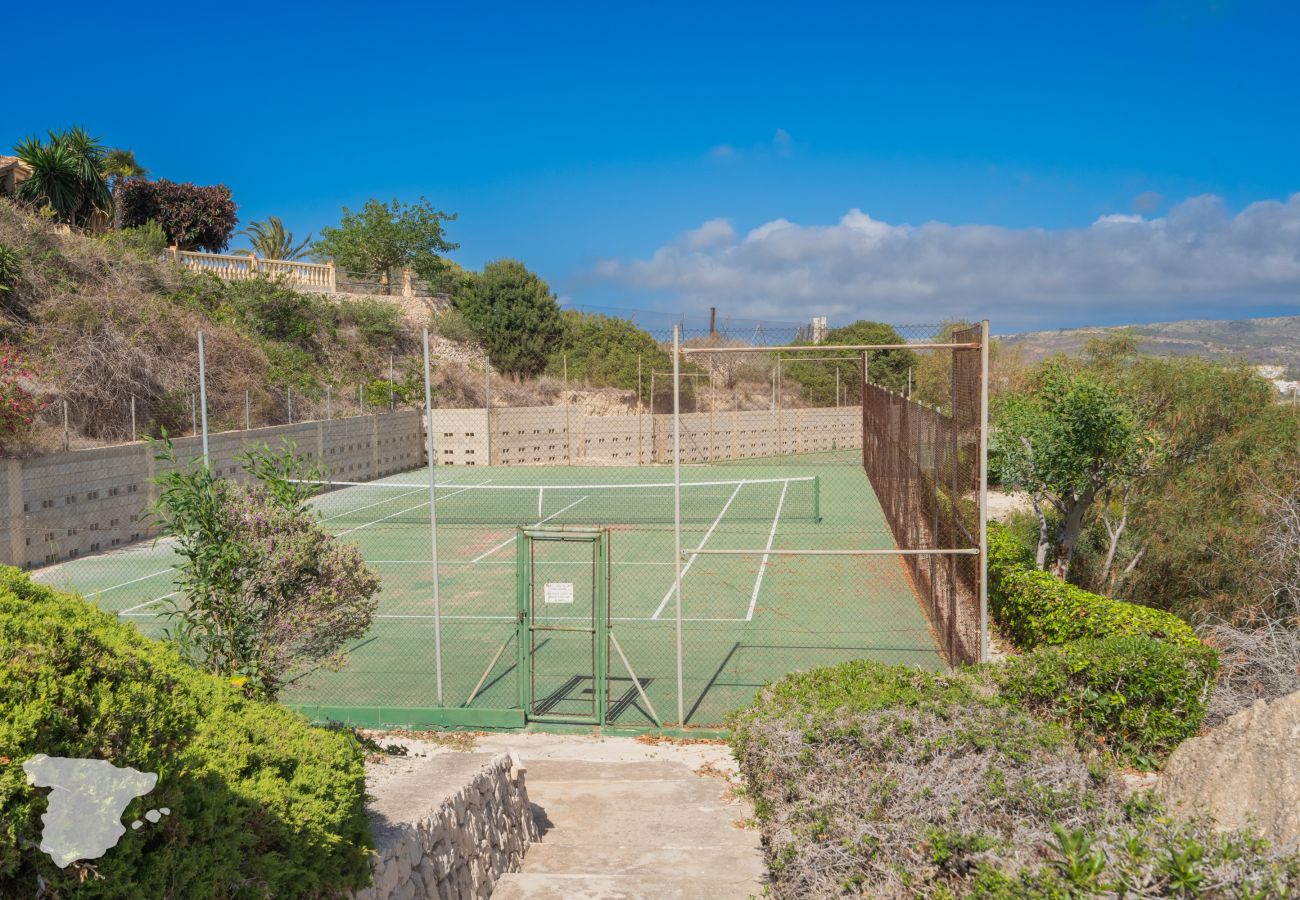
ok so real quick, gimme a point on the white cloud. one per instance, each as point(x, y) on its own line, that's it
point(1199, 259)
point(713, 233)
point(723, 151)
point(783, 142)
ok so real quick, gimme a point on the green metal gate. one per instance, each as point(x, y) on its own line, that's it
point(565, 637)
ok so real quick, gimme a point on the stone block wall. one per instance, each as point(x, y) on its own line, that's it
point(457, 848)
point(554, 435)
point(66, 505)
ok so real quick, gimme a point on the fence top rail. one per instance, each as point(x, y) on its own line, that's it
point(325, 483)
point(824, 347)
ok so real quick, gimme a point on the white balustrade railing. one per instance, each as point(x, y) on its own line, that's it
point(308, 275)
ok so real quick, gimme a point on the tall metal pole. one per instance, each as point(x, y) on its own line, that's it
point(638, 409)
point(329, 407)
point(677, 513)
point(392, 400)
point(433, 517)
point(65, 425)
point(568, 438)
point(984, 490)
point(203, 397)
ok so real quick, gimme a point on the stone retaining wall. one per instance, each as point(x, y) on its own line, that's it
point(459, 843)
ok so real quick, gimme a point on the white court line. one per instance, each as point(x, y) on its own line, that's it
point(556, 618)
point(708, 534)
point(511, 539)
point(368, 505)
point(762, 567)
point(507, 562)
point(134, 580)
point(130, 610)
point(409, 509)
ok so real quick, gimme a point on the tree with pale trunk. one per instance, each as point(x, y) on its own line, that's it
point(1070, 442)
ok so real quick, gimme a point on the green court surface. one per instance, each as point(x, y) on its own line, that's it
point(745, 620)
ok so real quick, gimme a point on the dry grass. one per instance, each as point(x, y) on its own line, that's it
point(1259, 660)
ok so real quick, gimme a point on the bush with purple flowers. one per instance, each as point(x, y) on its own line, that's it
point(265, 594)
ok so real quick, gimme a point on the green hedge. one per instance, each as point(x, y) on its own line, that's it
point(1033, 607)
point(262, 804)
point(1138, 696)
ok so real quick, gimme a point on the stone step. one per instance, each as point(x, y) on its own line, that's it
point(680, 886)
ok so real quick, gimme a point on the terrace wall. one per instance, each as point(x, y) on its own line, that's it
point(65, 505)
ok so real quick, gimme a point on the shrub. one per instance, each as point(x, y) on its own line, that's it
point(1140, 697)
point(515, 316)
point(276, 312)
point(264, 592)
point(262, 804)
point(18, 405)
point(380, 323)
point(10, 268)
point(452, 325)
point(193, 217)
point(875, 780)
point(147, 240)
point(1034, 607)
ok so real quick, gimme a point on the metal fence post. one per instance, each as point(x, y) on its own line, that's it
point(984, 491)
point(203, 398)
point(677, 514)
point(329, 409)
point(392, 400)
point(133, 432)
point(433, 518)
point(65, 424)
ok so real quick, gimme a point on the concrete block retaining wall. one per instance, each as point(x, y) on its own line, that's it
point(456, 843)
point(553, 435)
point(65, 505)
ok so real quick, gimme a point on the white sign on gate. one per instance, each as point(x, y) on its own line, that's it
point(558, 592)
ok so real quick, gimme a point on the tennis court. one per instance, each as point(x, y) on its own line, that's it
point(745, 619)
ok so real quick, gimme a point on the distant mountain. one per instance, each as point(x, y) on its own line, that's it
point(1273, 341)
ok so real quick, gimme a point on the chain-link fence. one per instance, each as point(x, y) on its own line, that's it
point(731, 506)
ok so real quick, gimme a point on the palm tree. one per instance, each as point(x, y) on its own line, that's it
point(117, 165)
point(65, 175)
point(270, 240)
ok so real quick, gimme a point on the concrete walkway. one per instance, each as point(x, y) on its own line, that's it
point(625, 819)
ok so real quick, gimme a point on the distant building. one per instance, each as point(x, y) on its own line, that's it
point(1272, 373)
point(13, 172)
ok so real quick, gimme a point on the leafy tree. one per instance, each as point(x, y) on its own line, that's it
point(604, 351)
point(270, 240)
point(514, 315)
point(193, 217)
point(887, 368)
point(383, 236)
point(1065, 442)
point(266, 593)
point(65, 175)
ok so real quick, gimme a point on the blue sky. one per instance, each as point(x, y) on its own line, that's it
point(904, 161)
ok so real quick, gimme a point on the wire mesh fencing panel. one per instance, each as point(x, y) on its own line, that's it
point(816, 495)
point(922, 453)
